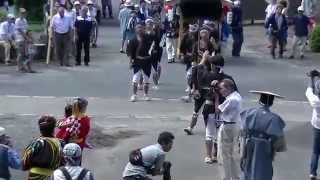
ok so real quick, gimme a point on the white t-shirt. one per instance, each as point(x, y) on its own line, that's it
point(231, 108)
point(20, 24)
point(72, 15)
point(74, 172)
point(150, 156)
point(315, 104)
point(271, 9)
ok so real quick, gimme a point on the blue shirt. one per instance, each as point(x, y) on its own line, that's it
point(301, 23)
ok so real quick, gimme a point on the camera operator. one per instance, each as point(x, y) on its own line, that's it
point(229, 112)
point(8, 156)
point(313, 93)
point(208, 112)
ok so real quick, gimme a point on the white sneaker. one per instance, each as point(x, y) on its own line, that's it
point(155, 87)
point(133, 98)
point(147, 98)
point(187, 90)
point(208, 160)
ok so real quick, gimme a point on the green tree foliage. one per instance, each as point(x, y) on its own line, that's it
point(315, 40)
point(34, 8)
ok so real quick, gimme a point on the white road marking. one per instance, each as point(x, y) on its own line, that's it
point(16, 96)
point(44, 97)
point(153, 98)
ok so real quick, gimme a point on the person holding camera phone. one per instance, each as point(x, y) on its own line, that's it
point(229, 112)
point(8, 155)
point(313, 96)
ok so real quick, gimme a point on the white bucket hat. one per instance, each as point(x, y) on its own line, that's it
point(2, 131)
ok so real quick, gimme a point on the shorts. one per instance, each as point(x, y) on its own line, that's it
point(144, 68)
point(198, 102)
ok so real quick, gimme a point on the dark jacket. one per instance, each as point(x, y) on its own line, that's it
point(135, 48)
point(301, 23)
point(171, 28)
point(236, 23)
point(278, 32)
point(83, 27)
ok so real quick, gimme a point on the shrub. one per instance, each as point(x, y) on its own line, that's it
point(34, 8)
point(315, 40)
point(2, 15)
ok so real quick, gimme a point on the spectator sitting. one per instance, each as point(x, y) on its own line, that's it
point(73, 169)
point(7, 30)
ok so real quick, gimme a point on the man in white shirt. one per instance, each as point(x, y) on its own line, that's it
point(271, 9)
point(61, 27)
point(313, 94)
point(7, 36)
point(72, 170)
point(228, 132)
point(21, 27)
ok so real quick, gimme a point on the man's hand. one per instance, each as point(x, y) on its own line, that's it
point(214, 83)
point(206, 54)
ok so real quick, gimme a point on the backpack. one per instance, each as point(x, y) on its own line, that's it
point(135, 158)
point(66, 174)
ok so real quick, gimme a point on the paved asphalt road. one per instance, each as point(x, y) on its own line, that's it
point(120, 126)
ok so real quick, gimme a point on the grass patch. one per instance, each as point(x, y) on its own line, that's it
point(36, 27)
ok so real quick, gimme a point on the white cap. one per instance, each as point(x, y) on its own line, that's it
point(90, 2)
point(2, 131)
point(128, 3)
point(72, 150)
point(76, 3)
point(300, 8)
point(136, 5)
point(237, 3)
point(10, 16)
point(168, 0)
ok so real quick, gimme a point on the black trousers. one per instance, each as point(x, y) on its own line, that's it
point(237, 42)
point(83, 42)
point(106, 3)
point(198, 102)
point(274, 41)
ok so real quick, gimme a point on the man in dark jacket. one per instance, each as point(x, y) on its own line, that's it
point(237, 29)
point(301, 23)
point(83, 27)
point(277, 26)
